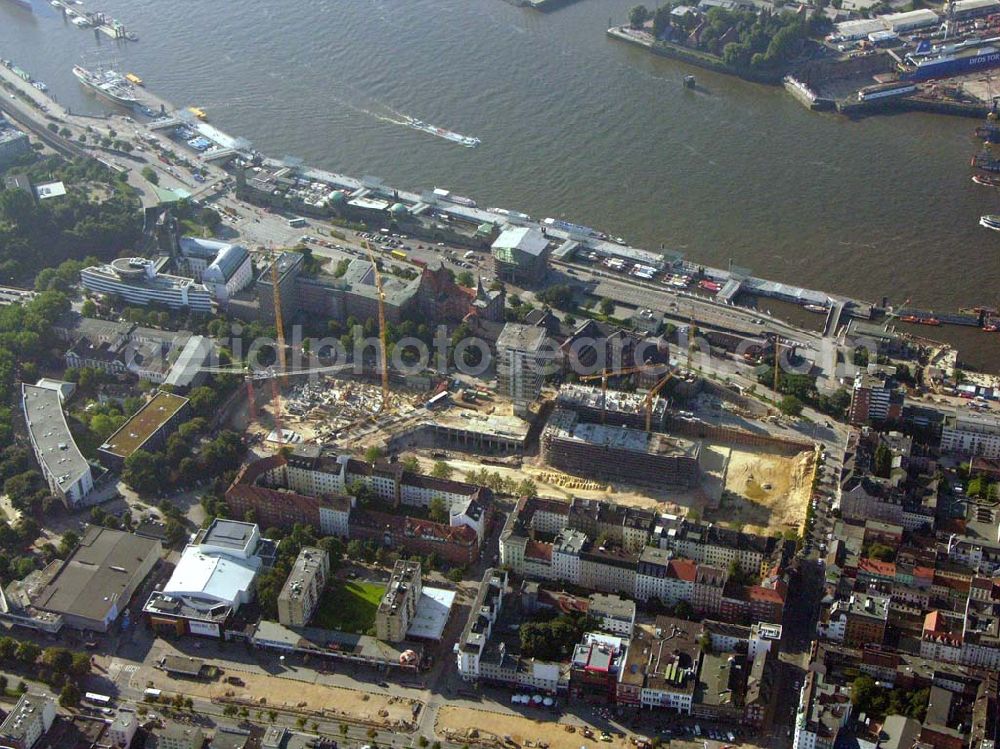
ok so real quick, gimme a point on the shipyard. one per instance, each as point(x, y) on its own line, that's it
point(920, 59)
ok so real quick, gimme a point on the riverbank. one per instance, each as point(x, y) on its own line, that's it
point(689, 56)
point(848, 106)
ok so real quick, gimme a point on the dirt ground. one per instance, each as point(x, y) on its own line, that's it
point(458, 721)
point(557, 485)
point(286, 693)
point(774, 490)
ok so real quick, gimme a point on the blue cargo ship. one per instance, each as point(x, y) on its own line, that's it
point(948, 61)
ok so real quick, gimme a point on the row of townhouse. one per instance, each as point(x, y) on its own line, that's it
point(310, 487)
point(691, 565)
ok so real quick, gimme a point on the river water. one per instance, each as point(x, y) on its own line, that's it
point(573, 125)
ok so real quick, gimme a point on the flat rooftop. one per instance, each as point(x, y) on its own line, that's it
point(143, 424)
point(96, 573)
point(564, 425)
point(520, 337)
point(49, 431)
point(329, 642)
point(433, 611)
point(228, 534)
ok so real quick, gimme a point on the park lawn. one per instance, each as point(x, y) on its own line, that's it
point(349, 606)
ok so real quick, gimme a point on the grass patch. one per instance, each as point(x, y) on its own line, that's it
point(348, 607)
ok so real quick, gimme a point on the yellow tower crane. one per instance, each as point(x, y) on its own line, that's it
point(381, 328)
point(279, 325)
point(651, 396)
point(603, 377)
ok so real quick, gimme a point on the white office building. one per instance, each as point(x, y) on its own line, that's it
point(223, 268)
point(139, 281)
point(972, 434)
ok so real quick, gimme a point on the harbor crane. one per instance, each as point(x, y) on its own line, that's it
point(384, 364)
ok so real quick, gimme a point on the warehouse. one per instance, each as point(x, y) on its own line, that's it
point(99, 577)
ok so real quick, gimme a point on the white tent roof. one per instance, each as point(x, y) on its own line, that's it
point(213, 576)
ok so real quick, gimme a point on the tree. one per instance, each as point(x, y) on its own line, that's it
point(607, 307)
point(466, 279)
point(559, 296)
point(150, 175)
point(210, 219)
point(88, 308)
point(144, 471)
point(437, 510)
point(882, 460)
point(790, 406)
point(70, 695)
point(684, 610)
point(882, 552)
point(411, 464)
point(662, 20)
point(174, 532)
point(441, 470)
point(27, 652)
point(372, 454)
point(637, 16)
point(526, 488)
point(355, 549)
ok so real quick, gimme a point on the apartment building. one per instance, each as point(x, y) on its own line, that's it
point(302, 590)
point(399, 604)
point(971, 434)
point(524, 357)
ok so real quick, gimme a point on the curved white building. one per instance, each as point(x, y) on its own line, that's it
point(137, 280)
point(64, 467)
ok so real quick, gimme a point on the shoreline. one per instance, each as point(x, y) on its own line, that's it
point(849, 107)
point(586, 238)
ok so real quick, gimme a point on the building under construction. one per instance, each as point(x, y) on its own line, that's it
point(614, 407)
point(618, 452)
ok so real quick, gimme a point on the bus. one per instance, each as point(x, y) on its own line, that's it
point(101, 700)
point(296, 222)
point(151, 694)
point(398, 254)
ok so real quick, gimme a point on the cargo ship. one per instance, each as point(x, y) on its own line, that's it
point(440, 132)
point(109, 85)
point(920, 320)
point(946, 61)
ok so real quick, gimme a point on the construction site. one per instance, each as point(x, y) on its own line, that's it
point(763, 491)
point(670, 460)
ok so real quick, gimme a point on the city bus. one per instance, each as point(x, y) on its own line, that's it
point(101, 700)
point(296, 222)
point(398, 254)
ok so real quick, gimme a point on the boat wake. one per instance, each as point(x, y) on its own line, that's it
point(384, 113)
